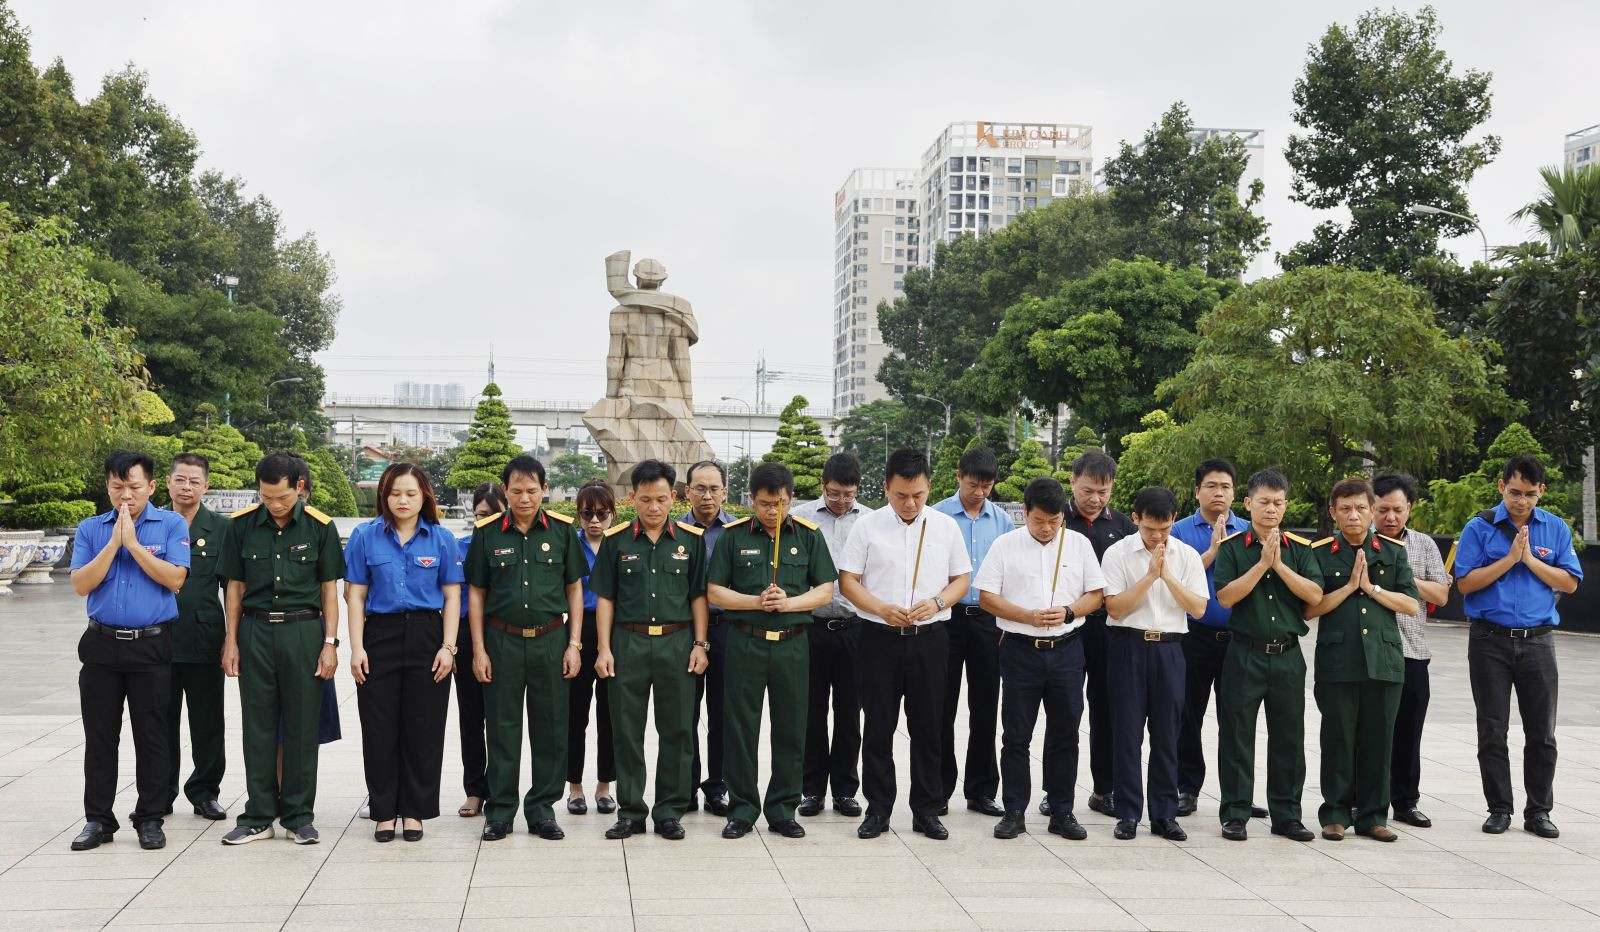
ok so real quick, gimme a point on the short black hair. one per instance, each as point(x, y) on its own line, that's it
point(907, 464)
point(280, 467)
point(980, 464)
point(193, 459)
point(1155, 502)
point(121, 462)
point(304, 465)
point(842, 468)
point(1096, 464)
point(522, 464)
point(490, 492)
point(1268, 478)
point(1044, 493)
point(1385, 482)
point(1525, 465)
point(649, 471)
point(689, 476)
point(1210, 466)
point(772, 477)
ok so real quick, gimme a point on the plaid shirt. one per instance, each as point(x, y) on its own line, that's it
point(1426, 565)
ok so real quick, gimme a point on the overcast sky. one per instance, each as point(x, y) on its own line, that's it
point(471, 163)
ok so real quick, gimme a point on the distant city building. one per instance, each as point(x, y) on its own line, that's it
point(428, 395)
point(876, 238)
point(1583, 147)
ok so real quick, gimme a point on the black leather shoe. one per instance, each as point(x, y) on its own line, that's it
point(1186, 804)
point(985, 806)
point(1044, 806)
point(1066, 825)
point(846, 806)
point(944, 808)
point(411, 834)
point(694, 804)
point(577, 805)
point(809, 806)
point(1125, 829)
point(385, 835)
point(492, 831)
point(624, 828)
point(717, 805)
point(210, 809)
point(1257, 812)
point(788, 828)
point(1294, 830)
point(93, 836)
point(1105, 805)
point(548, 829)
point(152, 837)
point(873, 826)
point(1011, 825)
point(930, 826)
point(1168, 829)
point(1413, 816)
point(672, 829)
point(1539, 825)
point(1234, 830)
point(736, 828)
point(605, 805)
point(1497, 823)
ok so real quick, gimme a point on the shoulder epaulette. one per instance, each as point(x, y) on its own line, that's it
point(737, 522)
point(481, 522)
point(692, 529)
point(559, 516)
point(320, 516)
point(1325, 540)
point(1232, 536)
point(1297, 539)
point(804, 523)
point(1397, 543)
point(246, 510)
point(618, 529)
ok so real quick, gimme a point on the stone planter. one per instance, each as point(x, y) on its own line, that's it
point(46, 555)
point(17, 549)
point(227, 501)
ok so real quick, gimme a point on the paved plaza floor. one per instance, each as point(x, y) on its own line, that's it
point(1451, 876)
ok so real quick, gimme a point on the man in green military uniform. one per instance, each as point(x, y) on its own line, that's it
point(1366, 579)
point(197, 644)
point(525, 571)
point(283, 564)
point(768, 575)
point(649, 580)
point(1268, 577)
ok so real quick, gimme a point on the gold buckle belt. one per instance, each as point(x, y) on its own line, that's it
point(526, 632)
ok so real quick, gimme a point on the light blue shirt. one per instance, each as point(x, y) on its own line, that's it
point(408, 577)
point(128, 597)
point(1196, 532)
point(978, 533)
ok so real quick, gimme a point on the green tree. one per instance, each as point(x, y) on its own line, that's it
point(331, 490)
point(1566, 215)
point(1385, 123)
point(945, 459)
point(1326, 371)
point(801, 447)
point(1083, 440)
point(873, 430)
point(572, 470)
point(738, 472)
point(491, 443)
point(1142, 465)
point(1029, 464)
point(1177, 200)
point(1450, 504)
point(233, 458)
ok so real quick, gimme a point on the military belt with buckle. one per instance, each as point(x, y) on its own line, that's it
point(274, 618)
point(654, 631)
point(521, 632)
point(1267, 647)
point(771, 634)
point(128, 634)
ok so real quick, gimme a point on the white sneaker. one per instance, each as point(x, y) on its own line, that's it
point(245, 834)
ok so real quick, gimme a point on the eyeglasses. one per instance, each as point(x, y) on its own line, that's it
point(705, 490)
point(594, 515)
point(1517, 496)
point(186, 483)
point(839, 496)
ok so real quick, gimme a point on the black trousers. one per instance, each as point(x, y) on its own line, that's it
point(137, 673)
point(1202, 676)
point(204, 686)
point(892, 668)
point(1093, 636)
point(1033, 676)
point(585, 687)
point(975, 645)
point(403, 714)
point(709, 687)
point(833, 672)
point(1497, 665)
point(1405, 764)
point(1147, 687)
point(469, 717)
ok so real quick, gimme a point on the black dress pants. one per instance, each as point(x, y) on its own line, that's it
point(709, 688)
point(403, 714)
point(835, 644)
point(1093, 636)
point(1035, 676)
point(469, 716)
point(137, 673)
point(975, 646)
point(1202, 676)
point(588, 686)
point(1496, 666)
point(909, 667)
point(1147, 694)
point(1405, 764)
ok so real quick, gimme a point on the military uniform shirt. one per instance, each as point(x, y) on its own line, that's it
point(1360, 640)
point(742, 561)
point(1271, 612)
point(650, 582)
point(127, 597)
point(408, 577)
point(525, 576)
point(282, 568)
point(197, 636)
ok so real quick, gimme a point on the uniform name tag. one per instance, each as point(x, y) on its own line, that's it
point(299, 547)
point(427, 562)
point(627, 557)
point(680, 556)
point(750, 553)
point(503, 551)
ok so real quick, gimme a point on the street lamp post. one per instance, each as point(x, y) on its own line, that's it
point(946, 411)
point(1428, 210)
point(278, 382)
point(749, 413)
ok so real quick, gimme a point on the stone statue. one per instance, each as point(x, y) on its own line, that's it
point(648, 411)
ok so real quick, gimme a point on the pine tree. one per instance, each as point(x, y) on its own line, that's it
point(491, 443)
point(1082, 442)
point(801, 447)
point(232, 458)
point(945, 460)
point(1030, 464)
point(330, 487)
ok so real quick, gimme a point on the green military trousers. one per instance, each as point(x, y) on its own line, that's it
point(525, 673)
point(203, 684)
point(1251, 678)
point(278, 682)
point(645, 664)
point(780, 671)
point(1357, 744)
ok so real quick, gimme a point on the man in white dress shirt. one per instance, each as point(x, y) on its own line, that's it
point(903, 567)
point(1153, 582)
point(1040, 581)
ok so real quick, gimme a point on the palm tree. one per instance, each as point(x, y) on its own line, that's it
point(1567, 214)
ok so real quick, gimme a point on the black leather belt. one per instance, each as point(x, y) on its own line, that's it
point(1145, 634)
point(521, 632)
point(970, 611)
point(1516, 634)
point(839, 624)
point(129, 634)
point(909, 631)
point(1209, 633)
point(771, 634)
point(280, 617)
point(423, 615)
point(1267, 647)
point(1049, 643)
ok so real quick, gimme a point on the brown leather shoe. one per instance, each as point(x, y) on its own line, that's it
point(1333, 832)
point(1379, 833)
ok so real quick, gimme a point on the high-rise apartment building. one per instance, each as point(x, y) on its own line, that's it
point(876, 238)
point(427, 395)
point(1583, 147)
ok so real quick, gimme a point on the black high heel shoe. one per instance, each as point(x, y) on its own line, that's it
point(411, 834)
point(383, 835)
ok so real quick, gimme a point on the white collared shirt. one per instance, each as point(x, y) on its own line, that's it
point(1127, 560)
point(1024, 572)
point(882, 550)
point(836, 534)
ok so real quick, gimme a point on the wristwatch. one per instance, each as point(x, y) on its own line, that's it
point(703, 645)
point(1376, 588)
point(451, 648)
point(939, 601)
point(577, 644)
point(1071, 615)
point(331, 642)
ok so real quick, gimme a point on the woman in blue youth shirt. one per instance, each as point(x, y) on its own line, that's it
point(403, 595)
point(488, 500)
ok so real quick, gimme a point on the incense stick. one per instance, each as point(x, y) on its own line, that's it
point(777, 537)
point(917, 569)
point(1061, 539)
